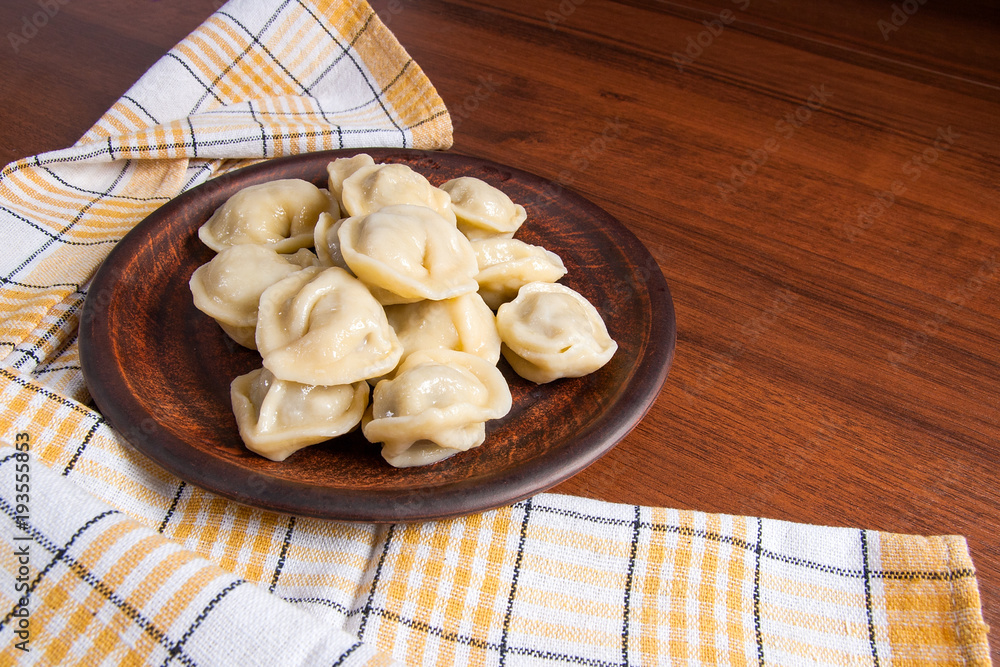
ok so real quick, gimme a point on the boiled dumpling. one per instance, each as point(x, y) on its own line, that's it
point(338, 170)
point(280, 214)
point(322, 326)
point(407, 253)
point(483, 210)
point(277, 418)
point(437, 405)
point(376, 186)
point(551, 331)
point(464, 323)
point(399, 295)
point(326, 242)
point(228, 288)
point(505, 265)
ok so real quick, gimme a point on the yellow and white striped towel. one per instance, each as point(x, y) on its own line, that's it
point(107, 559)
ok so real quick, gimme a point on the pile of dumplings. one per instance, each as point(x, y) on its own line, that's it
point(386, 302)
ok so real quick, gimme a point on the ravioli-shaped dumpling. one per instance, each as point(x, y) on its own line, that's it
point(464, 323)
point(326, 242)
point(437, 404)
point(322, 326)
point(373, 187)
point(483, 210)
point(551, 331)
point(338, 170)
point(228, 288)
point(280, 214)
point(505, 265)
point(406, 253)
point(277, 418)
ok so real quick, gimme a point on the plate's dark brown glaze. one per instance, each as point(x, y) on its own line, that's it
point(159, 370)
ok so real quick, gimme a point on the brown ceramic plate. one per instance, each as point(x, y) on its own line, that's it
point(159, 370)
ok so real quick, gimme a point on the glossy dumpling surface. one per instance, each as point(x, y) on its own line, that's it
point(437, 404)
point(483, 210)
point(341, 168)
point(228, 288)
point(407, 253)
point(280, 214)
point(323, 327)
point(326, 242)
point(374, 187)
point(551, 331)
point(506, 265)
point(277, 418)
point(464, 323)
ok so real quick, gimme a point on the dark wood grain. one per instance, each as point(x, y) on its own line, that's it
point(837, 358)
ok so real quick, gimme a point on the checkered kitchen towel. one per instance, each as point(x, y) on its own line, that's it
point(107, 559)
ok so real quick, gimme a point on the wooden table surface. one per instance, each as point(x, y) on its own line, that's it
point(817, 180)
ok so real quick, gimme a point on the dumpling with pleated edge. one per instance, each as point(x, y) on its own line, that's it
point(373, 187)
point(464, 323)
point(277, 418)
point(340, 169)
point(407, 253)
point(326, 242)
point(435, 406)
point(323, 327)
point(280, 214)
point(228, 287)
point(483, 210)
point(507, 264)
point(550, 331)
